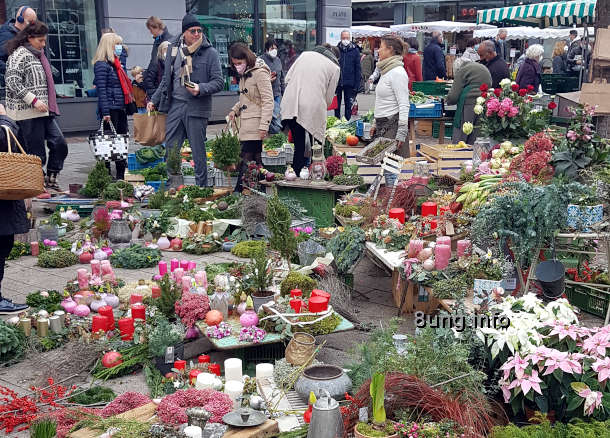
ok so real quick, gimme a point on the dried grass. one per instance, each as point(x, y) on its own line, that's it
point(340, 296)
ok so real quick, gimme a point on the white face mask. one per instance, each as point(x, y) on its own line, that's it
point(273, 53)
point(345, 42)
point(565, 48)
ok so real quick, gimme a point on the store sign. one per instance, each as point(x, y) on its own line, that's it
point(337, 16)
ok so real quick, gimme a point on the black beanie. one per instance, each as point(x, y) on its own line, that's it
point(189, 21)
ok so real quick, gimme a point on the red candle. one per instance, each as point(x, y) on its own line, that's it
point(156, 291)
point(34, 249)
point(444, 210)
point(126, 328)
point(317, 304)
point(296, 293)
point(180, 365)
point(204, 358)
point(429, 209)
point(193, 376)
point(296, 305)
point(184, 264)
point(98, 323)
point(398, 213)
point(135, 298)
point(138, 311)
point(107, 312)
point(214, 368)
point(320, 293)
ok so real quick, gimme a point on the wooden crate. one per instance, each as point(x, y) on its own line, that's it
point(445, 161)
point(423, 128)
point(133, 177)
point(144, 414)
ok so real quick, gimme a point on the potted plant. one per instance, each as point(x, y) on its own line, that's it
point(279, 220)
point(486, 274)
point(380, 426)
point(174, 171)
point(586, 211)
point(260, 279)
point(225, 155)
point(155, 202)
point(188, 175)
point(160, 337)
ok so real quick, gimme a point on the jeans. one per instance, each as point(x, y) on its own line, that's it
point(348, 94)
point(276, 122)
point(34, 132)
point(142, 110)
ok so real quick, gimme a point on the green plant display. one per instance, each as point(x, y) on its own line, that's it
point(97, 181)
point(347, 248)
point(133, 357)
point(93, 395)
point(323, 327)
point(225, 150)
point(158, 199)
point(164, 335)
point(12, 342)
point(196, 214)
point(196, 192)
point(451, 288)
point(348, 180)
point(157, 173)
point(123, 428)
point(200, 244)
point(174, 160)
point(377, 391)
point(248, 248)
point(170, 293)
point(43, 428)
point(157, 384)
point(135, 257)
point(260, 275)
point(49, 301)
point(156, 224)
point(20, 249)
point(275, 141)
point(296, 280)
point(576, 428)
point(279, 221)
point(213, 269)
point(112, 192)
point(346, 210)
point(150, 154)
point(61, 258)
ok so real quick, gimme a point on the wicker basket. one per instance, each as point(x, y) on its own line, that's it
point(362, 157)
point(21, 174)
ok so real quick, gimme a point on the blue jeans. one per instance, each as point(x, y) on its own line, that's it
point(142, 110)
point(276, 123)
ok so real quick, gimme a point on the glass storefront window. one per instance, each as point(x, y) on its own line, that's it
point(375, 14)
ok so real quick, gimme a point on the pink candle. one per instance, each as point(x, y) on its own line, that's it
point(443, 240)
point(83, 278)
point(464, 248)
point(192, 266)
point(174, 264)
point(96, 268)
point(178, 274)
point(201, 278)
point(135, 298)
point(442, 254)
point(415, 246)
point(106, 267)
point(35, 249)
point(187, 282)
point(184, 264)
point(162, 268)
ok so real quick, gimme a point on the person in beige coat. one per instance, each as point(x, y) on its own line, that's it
point(310, 87)
point(255, 106)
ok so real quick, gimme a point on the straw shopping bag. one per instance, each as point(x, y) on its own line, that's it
point(21, 174)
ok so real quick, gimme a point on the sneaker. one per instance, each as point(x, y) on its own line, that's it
point(7, 306)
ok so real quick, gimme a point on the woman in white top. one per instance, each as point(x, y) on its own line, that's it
point(392, 95)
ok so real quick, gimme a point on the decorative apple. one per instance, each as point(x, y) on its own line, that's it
point(112, 359)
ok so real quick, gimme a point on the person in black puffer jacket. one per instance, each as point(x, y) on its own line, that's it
point(349, 83)
point(154, 73)
point(115, 97)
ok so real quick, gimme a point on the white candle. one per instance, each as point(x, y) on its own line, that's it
point(264, 371)
point(233, 369)
point(205, 381)
point(193, 432)
point(234, 389)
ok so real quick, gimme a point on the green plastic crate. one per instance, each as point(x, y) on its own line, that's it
point(553, 84)
point(436, 126)
point(318, 203)
point(82, 210)
point(588, 300)
point(431, 88)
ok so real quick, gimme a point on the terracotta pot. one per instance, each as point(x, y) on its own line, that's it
point(359, 435)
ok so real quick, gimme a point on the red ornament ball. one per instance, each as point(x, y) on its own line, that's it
point(112, 359)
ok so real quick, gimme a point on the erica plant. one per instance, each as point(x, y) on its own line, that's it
point(192, 308)
point(334, 165)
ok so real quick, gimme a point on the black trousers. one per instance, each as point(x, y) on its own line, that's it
point(348, 98)
point(34, 132)
point(298, 136)
point(118, 117)
point(6, 245)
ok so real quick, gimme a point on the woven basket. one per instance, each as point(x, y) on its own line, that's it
point(20, 174)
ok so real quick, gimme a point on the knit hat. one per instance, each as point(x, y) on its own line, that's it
point(189, 21)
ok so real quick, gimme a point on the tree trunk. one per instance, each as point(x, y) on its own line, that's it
point(602, 14)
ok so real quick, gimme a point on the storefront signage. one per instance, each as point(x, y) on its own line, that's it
point(337, 16)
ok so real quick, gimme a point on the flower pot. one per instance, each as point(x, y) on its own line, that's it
point(300, 348)
point(119, 231)
point(189, 180)
point(482, 291)
point(581, 217)
point(360, 435)
point(260, 298)
point(61, 230)
point(228, 246)
point(328, 377)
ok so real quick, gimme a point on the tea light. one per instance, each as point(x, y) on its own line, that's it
point(42, 327)
point(138, 311)
point(296, 293)
point(193, 376)
point(317, 304)
point(214, 368)
point(429, 209)
point(174, 264)
point(415, 246)
point(234, 389)
point(442, 254)
point(464, 247)
point(180, 365)
point(233, 369)
point(109, 314)
point(204, 358)
point(162, 268)
point(96, 268)
point(184, 264)
point(136, 298)
point(296, 304)
point(62, 316)
point(320, 293)
point(26, 325)
point(55, 324)
point(126, 327)
point(192, 265)
point(397, 213)
point(264, 371)
point(443, 240)
point(34, 249)
point(178, 274)
point(193, 432)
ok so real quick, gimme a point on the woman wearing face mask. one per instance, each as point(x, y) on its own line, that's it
point(530, 73)
point(114, 90)
point(469, 55)
point(277, 83)
point(255, 106)
point(31, 99)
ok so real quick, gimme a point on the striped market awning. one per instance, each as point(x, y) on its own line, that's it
point(542, 14)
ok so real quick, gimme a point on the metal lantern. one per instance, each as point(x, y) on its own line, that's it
point(318, 163)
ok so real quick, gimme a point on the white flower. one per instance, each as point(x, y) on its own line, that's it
point(514, 150)
point(480, 100)
point(505, 83)
point(478, 109)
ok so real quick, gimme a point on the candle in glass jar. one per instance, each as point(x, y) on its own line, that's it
point(415, 246)
point(201, 278)
point(192, 265)
point(187, 282)
point(443, 240)
point(82, 275)
point(138, 311)
point(162, 268)
point(184, 264)
point(180, 365)
point(62, 316)
point(156, 291)
point(464, 248)
point(26, 325)
point(42, 327)
point(442, 254)
point(55, 323)
point(264, 371)
point(96, 268)
point(178, 274)
point(174, 264)
point(35, 249)
point(233, 369)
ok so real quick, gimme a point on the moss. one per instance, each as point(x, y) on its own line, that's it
point(296, 280)
point(323, 327)
point(248, 248)
point(61, 258)
point(370, 430)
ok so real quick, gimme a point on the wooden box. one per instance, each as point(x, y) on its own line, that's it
point(423, 128)
point(133, 177)
point(446, 161)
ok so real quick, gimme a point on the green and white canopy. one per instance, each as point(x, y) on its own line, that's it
point(542, 15)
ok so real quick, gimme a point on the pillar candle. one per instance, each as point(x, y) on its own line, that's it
point(135, 298)
point(162, 268)
point(415, 246)
point(398, 213)
point(192, 265)
point(62, 316)
point(429, 209)
point(193, 432)
point(234, 389)
point(464, 248)
point(35, 249)
point(296, 304)
point(55, 324)
point(205, 381)
point(178, 274)
point(320, 293)
point(264, 371)
point(138, 311)
point(174, 264)
point(108, 313)
point(99, 322)
point(442, 254)
point(443, 240)
point(106, 268)
point(96, 268)
point(296, 293)
point(180, 365)
point(233, 369)
point(214, 368)
point(204, 358)
point(200, 278)
point(26, 325)
point(42, 327)
point(317, 304)
point(184, 264)
point(126, 328)
point(82, 276)
point(156, 291)
point(187, 282)
point(193, 376)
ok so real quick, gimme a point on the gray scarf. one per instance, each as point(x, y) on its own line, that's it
point(326, 52)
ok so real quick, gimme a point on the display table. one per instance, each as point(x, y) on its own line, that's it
point(317, 198)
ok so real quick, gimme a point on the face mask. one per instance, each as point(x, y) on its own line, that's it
point(345, 42)
point(476, 47)
point(565, 49)
point(118, 49)
point(273, 53)
point(241, 68)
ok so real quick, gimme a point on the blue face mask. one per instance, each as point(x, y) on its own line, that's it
point(476, 47)
point(118, 49)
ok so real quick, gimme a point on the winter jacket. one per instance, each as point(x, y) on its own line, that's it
point(367, 66)
point(275, 65)
point(255, 106)
point(7, 32)
point(498, 70)
point(560, 65)
point(13, 214)
point(502, 49)
point(139, 94)
point(470, 55)
point(25, 81)
point(109, 91)
point(207, 73)
point(412, 64)
point(434, 62)
point(530, 73)
point(153, 76)
point(153, 64)
point(310, 88)
point(349, 62)
point(471, 73)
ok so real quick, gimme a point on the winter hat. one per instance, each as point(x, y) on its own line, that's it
point(189, 21)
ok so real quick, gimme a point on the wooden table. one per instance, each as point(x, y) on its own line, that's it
point(317, 198)
point(441, 130)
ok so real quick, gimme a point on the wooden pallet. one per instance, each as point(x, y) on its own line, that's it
point(144, 414)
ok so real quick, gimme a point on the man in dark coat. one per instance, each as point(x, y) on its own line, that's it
point(349, 82)
point(25, 15)
point(502, 47)
point(496, 66)
point(159, 33)
point(434, 59)
point(192, 74)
